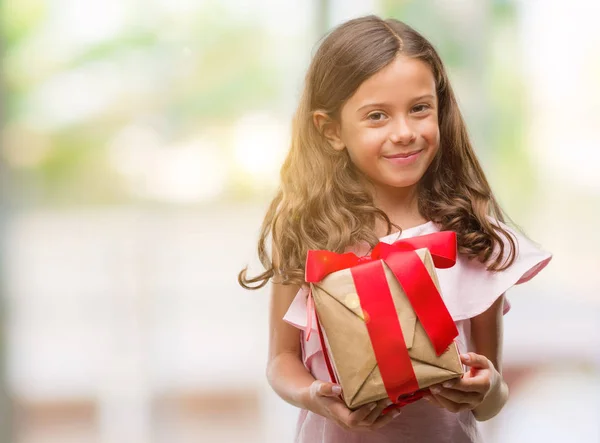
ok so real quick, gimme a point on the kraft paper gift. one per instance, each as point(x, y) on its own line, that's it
point(384, 314)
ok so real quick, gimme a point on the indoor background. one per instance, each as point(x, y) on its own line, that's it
point(141, 142)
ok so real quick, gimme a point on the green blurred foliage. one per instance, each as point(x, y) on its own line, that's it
point(425, 18)
point(499, 120)
point(206, 73)
point(20, 18)
point(207, 69)
point(512, 173)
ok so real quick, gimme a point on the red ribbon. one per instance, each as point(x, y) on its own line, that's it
point(441, 245)
point(376, 301)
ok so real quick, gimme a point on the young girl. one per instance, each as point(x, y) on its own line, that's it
point(380, 152)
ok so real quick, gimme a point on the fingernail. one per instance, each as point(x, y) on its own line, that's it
point(396, 413)
point(435, 390)
point(337, 390)
point(373, 406)
point(447, 384)
point(466, 357)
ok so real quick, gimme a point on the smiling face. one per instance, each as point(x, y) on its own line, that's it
point(390, 124)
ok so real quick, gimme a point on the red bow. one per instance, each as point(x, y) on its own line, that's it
point(374, 295)
point(411, 274)
point(441, 245)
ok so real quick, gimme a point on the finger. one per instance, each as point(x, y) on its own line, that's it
point(360, 414)
point(478, 383)
point(325, 389)
point(385, 419)
point(374, 415)
point(458, 396)
point(341, 412)
point(450, 405)
point(475, 360)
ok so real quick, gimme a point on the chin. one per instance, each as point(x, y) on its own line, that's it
point(404, 182)
point(405, 185)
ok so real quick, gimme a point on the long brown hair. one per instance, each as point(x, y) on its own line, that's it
point(321, 203)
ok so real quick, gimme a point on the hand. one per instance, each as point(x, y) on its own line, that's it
point(323, 399)
point(469, 391)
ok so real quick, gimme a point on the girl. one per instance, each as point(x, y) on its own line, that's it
point(380, 152)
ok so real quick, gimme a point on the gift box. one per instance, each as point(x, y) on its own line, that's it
point(383, 325)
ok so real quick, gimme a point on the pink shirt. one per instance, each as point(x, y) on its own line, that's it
point(468, 289)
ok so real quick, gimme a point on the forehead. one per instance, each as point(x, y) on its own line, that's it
point(400, 81)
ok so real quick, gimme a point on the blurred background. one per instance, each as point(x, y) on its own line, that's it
point(141, 142)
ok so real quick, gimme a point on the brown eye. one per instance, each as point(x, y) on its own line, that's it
point(376, 116)
point(421, 108)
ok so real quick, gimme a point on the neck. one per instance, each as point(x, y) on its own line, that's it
point(401, 205)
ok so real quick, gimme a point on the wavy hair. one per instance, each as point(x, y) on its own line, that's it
point(321, 202)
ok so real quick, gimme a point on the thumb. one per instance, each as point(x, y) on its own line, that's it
point(475, 360)
point(328, 389)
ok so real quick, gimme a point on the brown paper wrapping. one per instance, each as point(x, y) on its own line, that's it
point(349, 344)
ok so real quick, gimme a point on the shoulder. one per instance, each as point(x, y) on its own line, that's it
point(469, 288)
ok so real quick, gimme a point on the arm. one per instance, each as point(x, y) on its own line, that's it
point(285, 371)
point(487, 333)
point(293, 383)
point(482, 389)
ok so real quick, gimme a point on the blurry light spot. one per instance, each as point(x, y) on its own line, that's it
point(190, 172)
point(352, 301)
point(84, 23)
point(260, 143)
point(75, 95)
point(180, 8)
point(187, 173)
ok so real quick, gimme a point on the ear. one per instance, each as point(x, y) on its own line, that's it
point(329, 128)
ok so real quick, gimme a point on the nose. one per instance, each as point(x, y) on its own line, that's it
point(402, 132)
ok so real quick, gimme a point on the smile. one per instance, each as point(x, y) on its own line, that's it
point(404, 158)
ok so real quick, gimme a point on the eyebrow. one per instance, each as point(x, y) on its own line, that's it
point(383, 104)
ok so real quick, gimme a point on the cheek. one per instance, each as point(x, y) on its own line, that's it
point(364, 142)
point(372, 139)
point(430, 132)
